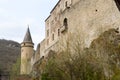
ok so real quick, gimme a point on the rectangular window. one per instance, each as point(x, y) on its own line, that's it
point(66, 4)
point(47, 41)
point(52, 22)
point(48, 23)
point(58, 32)
point(55, 18)
point(52, 36)
point(48, 33)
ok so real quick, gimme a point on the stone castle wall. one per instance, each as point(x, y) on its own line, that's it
point(85, 18)
point(89, 18)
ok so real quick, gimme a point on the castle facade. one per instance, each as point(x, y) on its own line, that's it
point(88, 18)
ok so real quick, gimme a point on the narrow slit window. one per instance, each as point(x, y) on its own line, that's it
point(66, 4)
point(58, 32)
point(47, 33)
point(52, 36)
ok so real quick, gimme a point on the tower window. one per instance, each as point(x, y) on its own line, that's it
point(65, 23)
point(118, 3)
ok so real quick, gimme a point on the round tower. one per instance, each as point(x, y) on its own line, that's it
point(26, 53)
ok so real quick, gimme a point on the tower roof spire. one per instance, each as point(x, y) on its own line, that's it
point(27, 37)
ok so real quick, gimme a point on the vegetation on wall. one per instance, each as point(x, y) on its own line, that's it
point(15, 71)
point(101, 61)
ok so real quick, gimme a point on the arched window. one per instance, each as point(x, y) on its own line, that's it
point(65, 23)
point(42, 57)
point(118, 3)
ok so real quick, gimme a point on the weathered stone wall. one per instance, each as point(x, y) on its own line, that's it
point(37, 53)
point(91, 18)
point(85, 18)
point(42, 48)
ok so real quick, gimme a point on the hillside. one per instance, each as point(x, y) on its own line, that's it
point(9, 52)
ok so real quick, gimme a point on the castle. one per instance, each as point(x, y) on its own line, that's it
point(88, 18)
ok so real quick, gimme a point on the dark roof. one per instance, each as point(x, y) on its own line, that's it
point(47, 18)
point(55, 6)
point(53, 10)
point(27, 37)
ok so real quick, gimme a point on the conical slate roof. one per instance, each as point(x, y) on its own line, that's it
point(27, 37)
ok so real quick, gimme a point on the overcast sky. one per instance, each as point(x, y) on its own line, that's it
point(15, 15)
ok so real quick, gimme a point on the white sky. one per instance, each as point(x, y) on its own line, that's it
point(15, 15)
